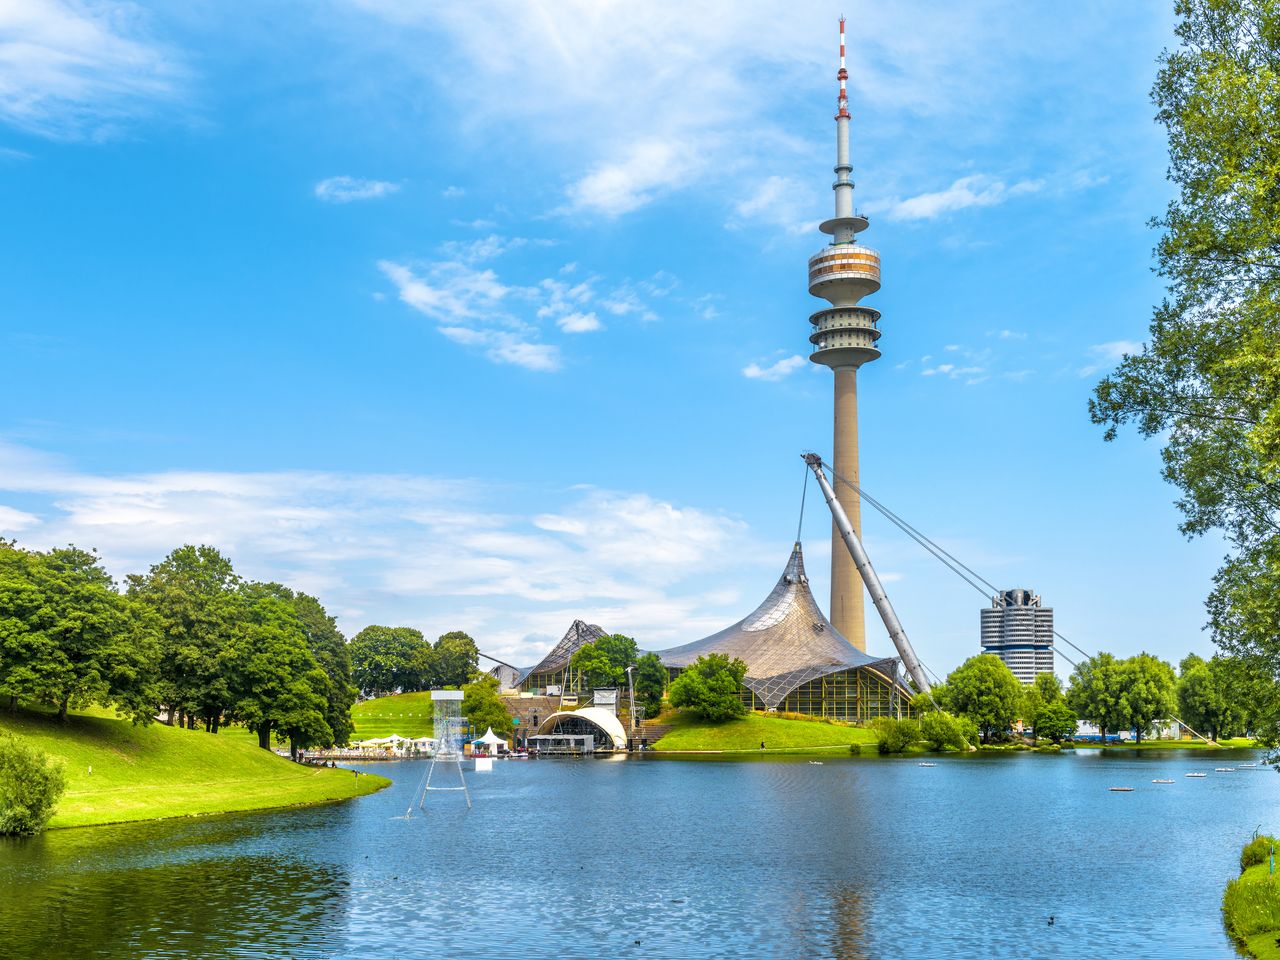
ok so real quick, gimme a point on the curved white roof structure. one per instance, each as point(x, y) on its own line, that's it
point(597, 717)
point(785, 642)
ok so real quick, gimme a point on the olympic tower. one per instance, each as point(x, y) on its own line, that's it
point(844, 338)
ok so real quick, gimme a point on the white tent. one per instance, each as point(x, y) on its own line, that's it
point(493, 741)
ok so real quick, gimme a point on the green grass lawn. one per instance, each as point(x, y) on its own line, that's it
point(408, 714)
point(779, 735)
point(1169, 745)
point(147, 773)
point(1262, 945)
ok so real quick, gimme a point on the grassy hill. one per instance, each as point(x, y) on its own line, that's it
point(778, 734)
point(147, 773)
point(408, 714)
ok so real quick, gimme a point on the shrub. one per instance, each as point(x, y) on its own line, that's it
point(943, 731)
point(894, 736)
point(30, 785)
point(1257, 850)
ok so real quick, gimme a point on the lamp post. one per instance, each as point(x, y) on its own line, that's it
point(631, 690)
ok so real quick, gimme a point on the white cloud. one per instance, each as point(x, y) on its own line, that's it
point(12, 521)
point(70, 70)
point(1108, 354)
point(639, 174)
point(346, 189)
point(579, 323)
point(424, 551)
point(468, 306)
point(452, 192)
point(638, 100)
point(774, 371)
point(783, 202)
point(976, 190)
point(1007, 334)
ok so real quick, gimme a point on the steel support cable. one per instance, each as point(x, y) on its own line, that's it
point(918, 537)
point(940, 553)
point(934, 548)
point(804, 492)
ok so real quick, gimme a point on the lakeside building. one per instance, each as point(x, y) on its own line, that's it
point(1018, 628)
point(554, 675)
point(797, 662)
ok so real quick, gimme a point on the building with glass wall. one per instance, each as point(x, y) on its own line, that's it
point(797, 662)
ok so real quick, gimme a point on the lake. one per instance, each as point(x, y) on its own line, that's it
point(875, 858)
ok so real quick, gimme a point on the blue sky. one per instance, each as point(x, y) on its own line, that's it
point(492, 316)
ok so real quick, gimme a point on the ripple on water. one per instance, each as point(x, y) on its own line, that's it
point(850, 859)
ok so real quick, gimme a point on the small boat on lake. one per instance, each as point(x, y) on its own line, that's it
point(1197, 774)
point(1121, 789)
point(927, 764)
point(1162, 781)
point(1224, 769)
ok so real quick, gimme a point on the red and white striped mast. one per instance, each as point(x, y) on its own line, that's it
point(844, 169)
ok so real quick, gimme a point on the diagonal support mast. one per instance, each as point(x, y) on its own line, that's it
point(860, 560)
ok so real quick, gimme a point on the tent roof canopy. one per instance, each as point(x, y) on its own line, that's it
point(785, 642)
point(579, 634)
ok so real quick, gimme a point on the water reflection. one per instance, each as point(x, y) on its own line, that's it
point(73, 895)
point(848, 928)
point(849, 859)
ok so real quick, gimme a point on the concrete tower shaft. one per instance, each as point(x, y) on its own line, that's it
point(844, 337)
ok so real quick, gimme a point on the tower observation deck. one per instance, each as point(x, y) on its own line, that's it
point(844, 338)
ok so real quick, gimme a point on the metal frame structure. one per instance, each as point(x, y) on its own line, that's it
point(555, 669)
point(448, 733)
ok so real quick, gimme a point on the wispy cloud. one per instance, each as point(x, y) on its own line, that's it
point(976, 190)
point(642, 172)
point(777, 370)
point(425, 551)
point(782, 202)
point(467, 304)
point(579, 322)
point(72, 70)
point(1104, 355)
point(346, 189)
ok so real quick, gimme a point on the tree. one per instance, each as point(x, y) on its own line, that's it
point(710, 688)
point(1207, 383)
point(483, 708)
point(592, 663)
point(1045, 689)
point(1055, 720)
point(274, 683)
point(30, 787)
point(1148, 691)
point(194, 596)
point(455, 657)
point(68, 638)
point(1094, 692)
point(650, 679)
point(985, 690)
point(387, 659)
point(1213, 697)
point(329, 647)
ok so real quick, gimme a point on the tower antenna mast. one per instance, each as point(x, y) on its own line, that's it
point(844, 338)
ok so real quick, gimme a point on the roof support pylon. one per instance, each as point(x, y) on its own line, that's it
point(860, 559)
